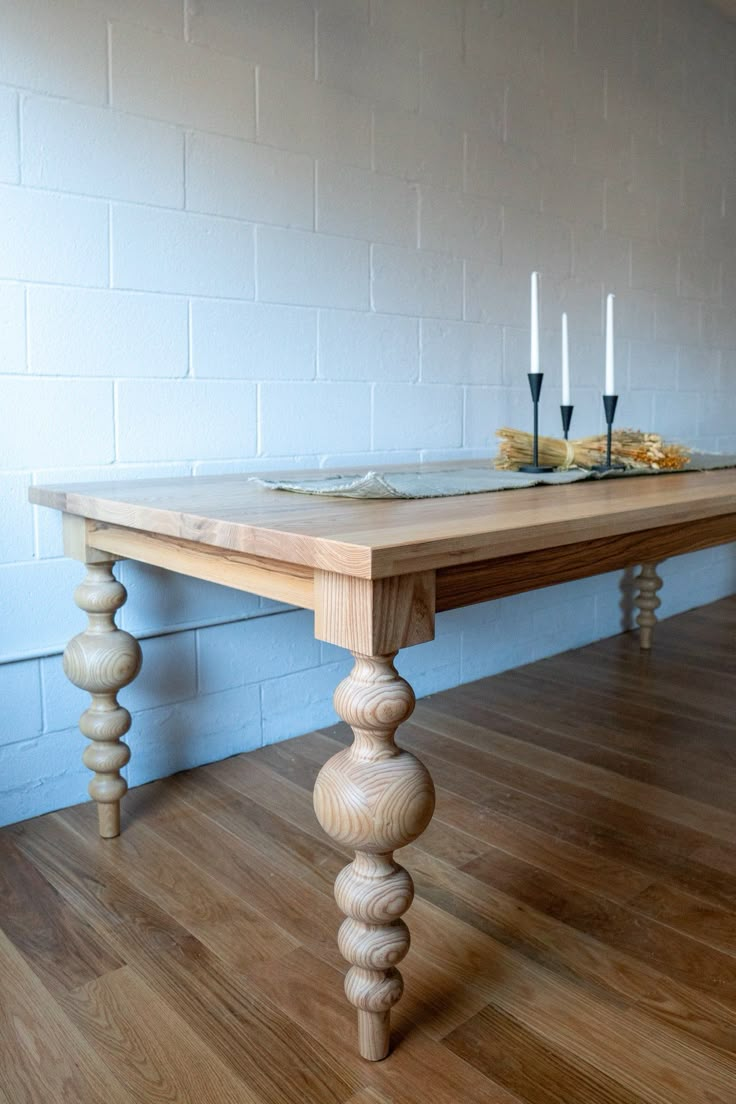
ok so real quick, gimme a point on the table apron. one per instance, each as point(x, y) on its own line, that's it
point(466, 584)
point(281, 582)
point(456, 585)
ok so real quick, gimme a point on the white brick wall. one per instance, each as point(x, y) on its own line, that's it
point(163, 77)
point(129, 158)
point(53, 238)
point(8, 136)
point(253, 233)
point(187, 254)
point(144, 335)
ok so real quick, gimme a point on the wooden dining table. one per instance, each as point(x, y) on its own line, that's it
point(375, 573)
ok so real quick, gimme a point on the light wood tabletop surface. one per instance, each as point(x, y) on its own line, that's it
point(374, 538)
point(375, 572)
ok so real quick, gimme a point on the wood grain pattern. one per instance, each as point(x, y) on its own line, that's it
point(76, 532)
point(647, 602)
point(147, 1045)
point(376, 539)
point(374, 617)
point(269, 578)
point(62, 948)
point(467, 583)
point(44, 1057)
point(578, 948)
point(215, 998)
point(374, 797)
point(102, 660)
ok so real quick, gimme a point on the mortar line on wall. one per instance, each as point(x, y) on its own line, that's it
point(190, 349)
point(195, 681)
point(374, 388)
point(420, 349)
point(373, 139)
point(115, 426)
point(505, 112)
point(315, 191)
point(42, 697)
point(465, 161)
point(464, 303)
point(184, 149)
point(26, 335)
point(260, 708)
point(145, 634)
point(418, 228)
point(36, 533)
point(109, 246)
point(318, 344)
point(108, 59)
point(19, 141)
point(257, 101)
point(316, 43)
point(256, 288)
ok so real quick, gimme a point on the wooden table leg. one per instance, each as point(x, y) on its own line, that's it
point(101, 660)
point(647, 602)
point(374, 797)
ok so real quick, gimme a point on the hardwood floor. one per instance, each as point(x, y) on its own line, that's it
point(574, 930)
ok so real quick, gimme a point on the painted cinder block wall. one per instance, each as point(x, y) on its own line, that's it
point(264, 233)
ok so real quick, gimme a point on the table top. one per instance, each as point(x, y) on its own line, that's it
point(376, 538)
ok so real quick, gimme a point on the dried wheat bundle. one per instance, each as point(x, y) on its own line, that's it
point(635, 450)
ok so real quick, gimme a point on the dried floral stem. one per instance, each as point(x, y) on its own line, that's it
point(637, 451)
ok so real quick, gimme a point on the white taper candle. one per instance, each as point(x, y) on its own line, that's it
point(610, 374)
point(565, 363)
point(534, 366)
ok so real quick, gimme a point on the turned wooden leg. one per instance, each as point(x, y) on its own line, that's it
point(374, 797)
point(647, 602)
point(102, 660)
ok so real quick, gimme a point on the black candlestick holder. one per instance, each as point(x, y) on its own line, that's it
point(535, 386)
point(566, 412)
point(609, 405)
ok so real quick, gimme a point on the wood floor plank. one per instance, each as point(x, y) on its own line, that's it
point(719, 856)
point(215, 1000)
point(303, 909)
point(659, 685)
point(290, 793)
point(615, 881)
point(60, 947)
point(641, 750)
point(575, 954)
point(220, 918)
point(601, 784)
point(707, 923)
point(573, 931)
point(607, 718)
point(602, 825)
point(686, 959)
point(419, 1070)
point(147, 1045)
point(613, 878)
point(640, 1055)
point(497, 1044)
point(44, 1057)
point(714, 1026)
point(662, 851)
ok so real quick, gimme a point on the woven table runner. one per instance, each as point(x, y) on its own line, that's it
point(476, 478)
